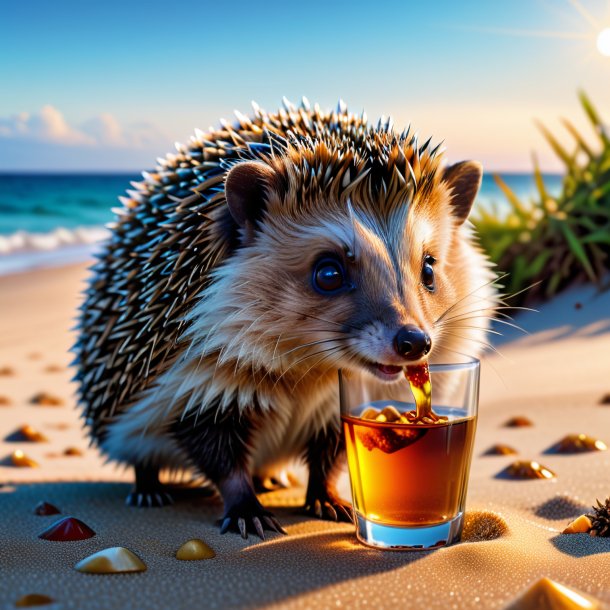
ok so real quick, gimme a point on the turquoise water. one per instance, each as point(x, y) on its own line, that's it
point(54, 219)
point(43, 203)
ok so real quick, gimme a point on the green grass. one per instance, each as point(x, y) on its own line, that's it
point(551, 242)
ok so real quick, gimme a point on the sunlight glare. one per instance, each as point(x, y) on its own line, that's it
point(603, 42)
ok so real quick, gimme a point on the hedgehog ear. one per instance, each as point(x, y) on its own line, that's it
point(463, 180)
point(245, 189)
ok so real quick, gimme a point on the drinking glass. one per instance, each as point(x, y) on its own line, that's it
point(409, 481)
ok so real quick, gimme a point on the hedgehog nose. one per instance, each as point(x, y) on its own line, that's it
point(412, 342)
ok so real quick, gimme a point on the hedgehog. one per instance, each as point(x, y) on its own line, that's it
point(250, 266)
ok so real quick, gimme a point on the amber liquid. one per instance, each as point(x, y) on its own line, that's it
point(409, 475)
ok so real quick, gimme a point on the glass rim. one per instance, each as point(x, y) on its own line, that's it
point(469, 363)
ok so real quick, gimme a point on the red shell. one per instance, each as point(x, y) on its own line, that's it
point(44, 509)
point(67, 529)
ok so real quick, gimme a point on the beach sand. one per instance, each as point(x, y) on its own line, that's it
point(556, 377)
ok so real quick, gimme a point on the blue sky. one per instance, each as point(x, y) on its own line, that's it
point(112, 85)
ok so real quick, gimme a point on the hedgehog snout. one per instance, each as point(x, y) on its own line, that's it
point(412, 343)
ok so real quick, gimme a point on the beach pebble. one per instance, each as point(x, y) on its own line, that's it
point(44, 509)
point(546, 594)
point(578, 443)
point(5, 401)
point(33, 599)
point(53, 368)
point(26, 434)
point(6, 371)
point(500, 449)
point(581, 525)
point(73, 451)
point(114, 560)
point(195, 549)
point(518, 422)
point(67, 529)
point(19, 459)
point(526, 470)
point(44, 399)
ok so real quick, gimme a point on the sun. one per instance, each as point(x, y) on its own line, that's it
point(603, 42)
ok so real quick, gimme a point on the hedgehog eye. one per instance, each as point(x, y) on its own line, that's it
point(427, 273)
point(328, 276)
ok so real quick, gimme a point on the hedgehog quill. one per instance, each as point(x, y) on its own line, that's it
point(245, 270)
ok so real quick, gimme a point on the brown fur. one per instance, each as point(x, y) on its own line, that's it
point(202, 307)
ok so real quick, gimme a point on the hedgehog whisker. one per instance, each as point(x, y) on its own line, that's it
point(291, 366)
point(487, 330)
point(470, 294)
point(327, 321)
point(450, 322)
point(294, 349)
point(485, 344)
point(338, 349)
point(441, 345)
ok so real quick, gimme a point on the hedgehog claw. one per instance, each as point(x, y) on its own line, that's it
point(140, 499)
point(224, 528)
point(274, 524)
point(258, 527)
point(253, 523)
point(330, 507)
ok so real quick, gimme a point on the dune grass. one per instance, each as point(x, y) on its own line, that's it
point(551, 243)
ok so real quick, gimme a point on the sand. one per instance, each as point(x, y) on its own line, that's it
point(556, 377)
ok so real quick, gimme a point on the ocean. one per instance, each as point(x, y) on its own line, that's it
point(51, 219)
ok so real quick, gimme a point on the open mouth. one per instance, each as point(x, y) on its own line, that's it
point(387, 372)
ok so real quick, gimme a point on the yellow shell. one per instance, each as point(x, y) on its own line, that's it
point(581, 525)
point(195, 549)
point(114, 560)
point(548, 594)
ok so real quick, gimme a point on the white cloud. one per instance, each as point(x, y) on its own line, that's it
point(104, 131)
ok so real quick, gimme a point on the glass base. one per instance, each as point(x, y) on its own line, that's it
point(397, 538)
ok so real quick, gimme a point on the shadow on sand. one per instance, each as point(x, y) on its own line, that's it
point(581, 545)
point(590, 317)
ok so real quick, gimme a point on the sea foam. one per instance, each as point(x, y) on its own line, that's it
point(21, 251)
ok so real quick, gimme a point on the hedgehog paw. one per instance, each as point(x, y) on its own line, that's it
point(244, 518)
point(155, 499)
point(327, 505)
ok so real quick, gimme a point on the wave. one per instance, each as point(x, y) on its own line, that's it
point(23, 241)
point(22, 250)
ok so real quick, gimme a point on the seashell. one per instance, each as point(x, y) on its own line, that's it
point(44, 509)
point(578, 443)
point(113, 560)
point(21, 460)
point(72, 451)
point(580, 525)
point(67, 530)
point(44, 399)
point(518, 422)
point(546, 593)
point(195, 549)
point(500, 449)
point(26, 434)
point(526, 470)
point(33, 599)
